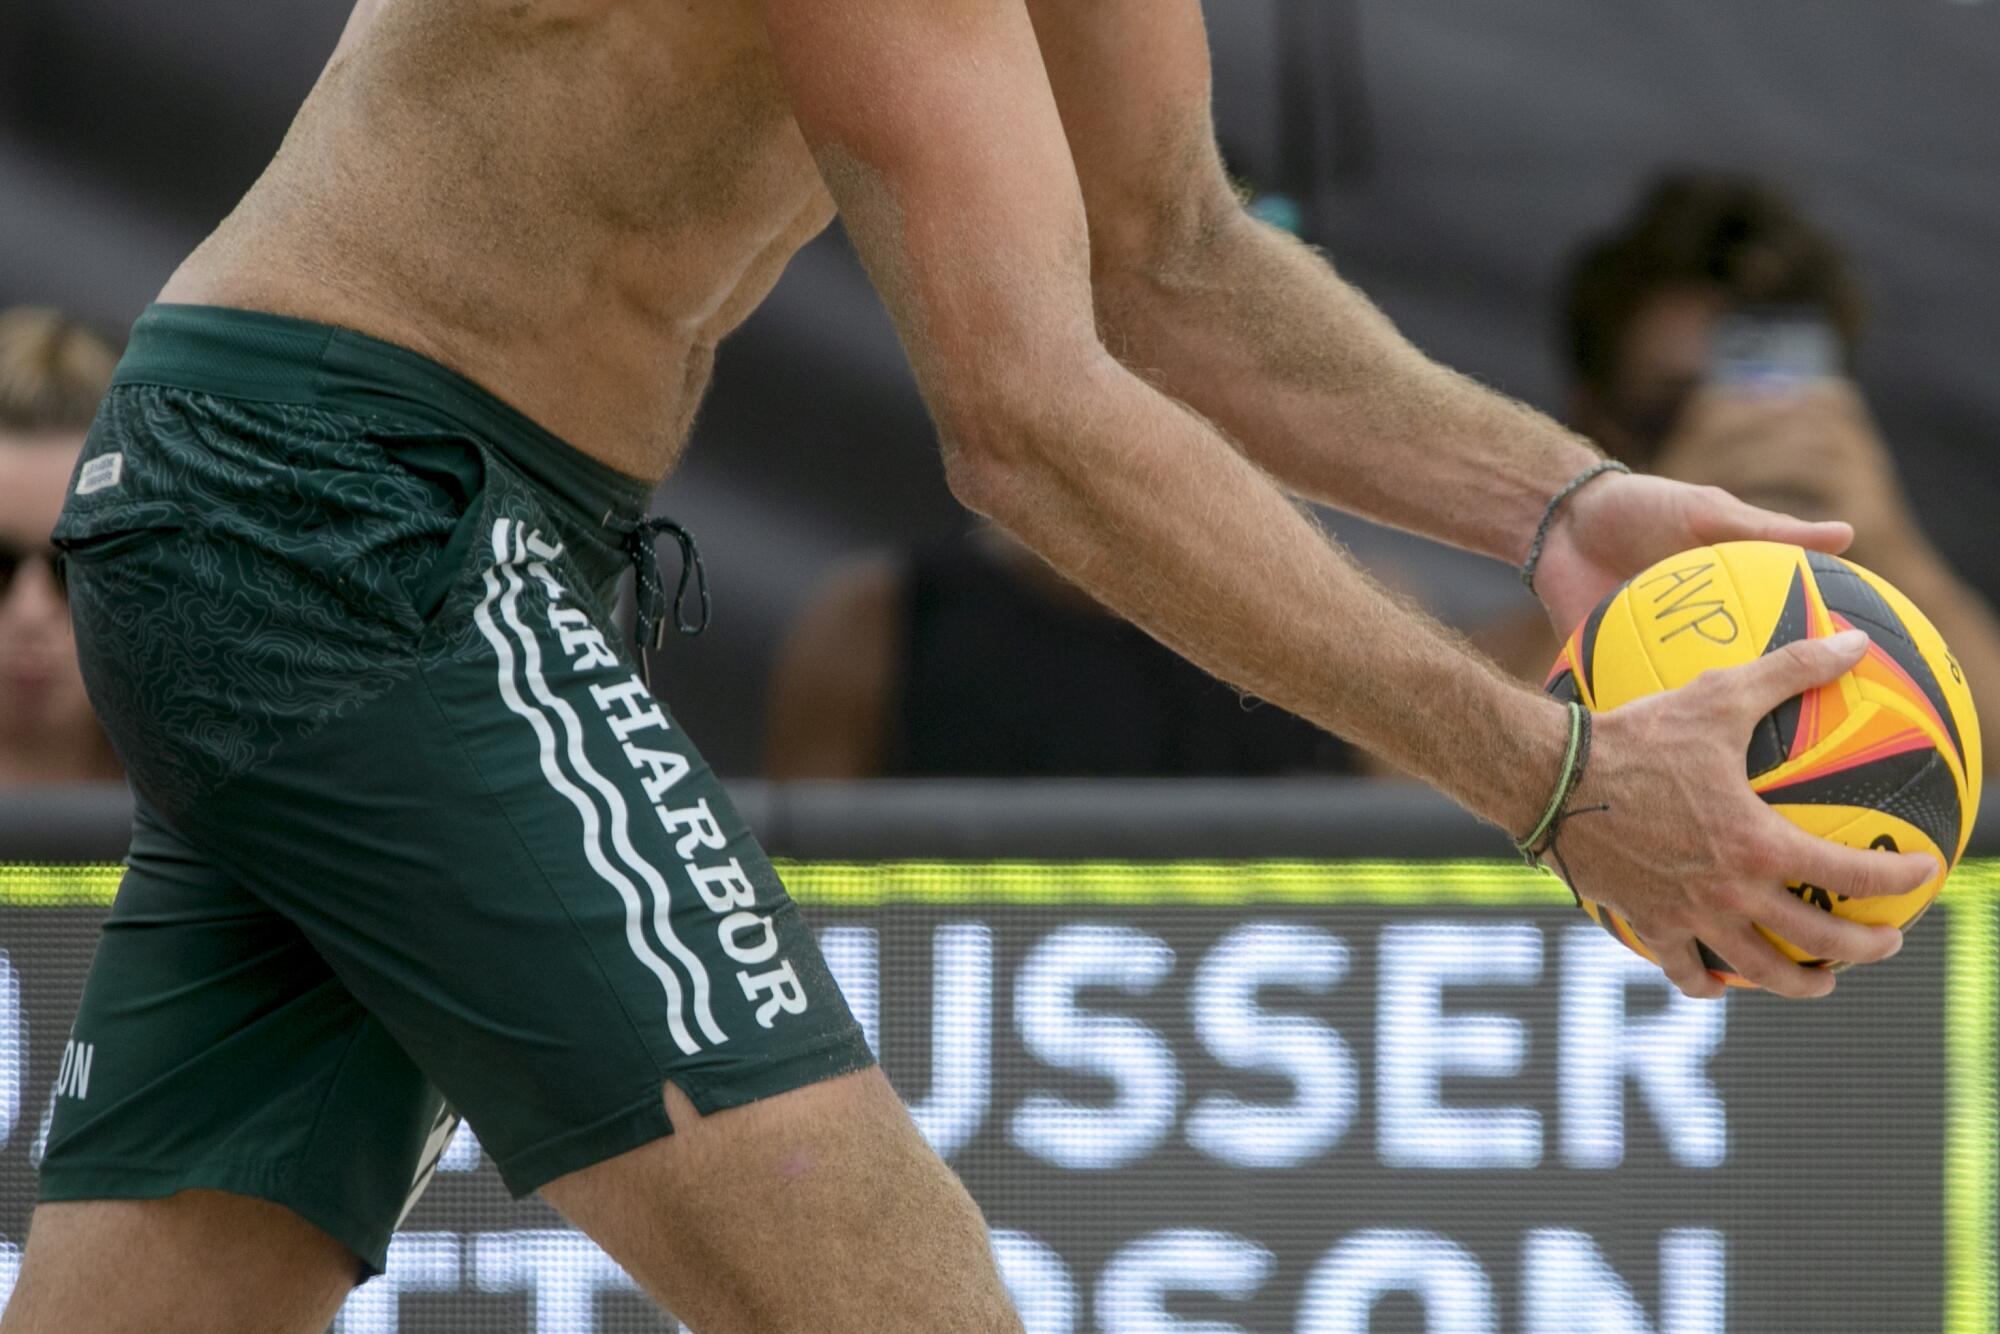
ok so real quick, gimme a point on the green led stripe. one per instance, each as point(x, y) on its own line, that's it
point(1972, 1100)
point(1032, 884)
point(1392, 884)
point(58, 886)
point(1170, 884)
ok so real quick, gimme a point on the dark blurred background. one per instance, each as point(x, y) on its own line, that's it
point(1448, 155)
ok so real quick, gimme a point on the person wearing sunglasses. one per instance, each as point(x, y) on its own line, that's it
point(52, 374)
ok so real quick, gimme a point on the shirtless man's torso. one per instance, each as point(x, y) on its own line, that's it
point(570, 202)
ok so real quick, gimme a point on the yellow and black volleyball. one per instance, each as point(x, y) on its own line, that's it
point(1887, 756)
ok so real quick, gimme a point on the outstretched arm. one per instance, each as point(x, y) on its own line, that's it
point(1258, 333)
point(937, 131)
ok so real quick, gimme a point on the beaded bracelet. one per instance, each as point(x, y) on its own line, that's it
point(1575, 484)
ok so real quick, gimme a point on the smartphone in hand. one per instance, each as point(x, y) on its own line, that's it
point(1773, 348)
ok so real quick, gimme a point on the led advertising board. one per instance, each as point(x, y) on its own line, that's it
point(1322, 1098)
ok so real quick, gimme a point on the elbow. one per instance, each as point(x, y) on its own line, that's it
point(1155, 250)
point(1002, 430)
point(989, 451)
point(976, 477)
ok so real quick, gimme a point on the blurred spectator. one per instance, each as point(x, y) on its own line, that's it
point(972, 658)
point(1642, 309)
point(52, 374)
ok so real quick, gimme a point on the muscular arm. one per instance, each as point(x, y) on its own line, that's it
point(1257, 332)
point(1254, 329)
point(936, 129)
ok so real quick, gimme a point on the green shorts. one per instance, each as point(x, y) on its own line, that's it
point(412, 838)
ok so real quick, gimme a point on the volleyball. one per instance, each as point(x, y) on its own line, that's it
point(1886, 756)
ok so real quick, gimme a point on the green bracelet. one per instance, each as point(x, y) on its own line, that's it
point(1532, 846)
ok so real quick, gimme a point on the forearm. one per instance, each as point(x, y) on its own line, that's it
point(1141, 503)
point(940, 140)
point(1257, 332)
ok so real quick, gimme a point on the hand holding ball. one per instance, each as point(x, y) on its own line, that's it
point(1886, 756)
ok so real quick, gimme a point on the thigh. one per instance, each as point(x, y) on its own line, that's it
point(821, 1209)
point(198, 1262)
point(214, 1049)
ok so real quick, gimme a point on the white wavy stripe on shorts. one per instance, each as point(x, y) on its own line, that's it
point(435, 1143)
point(621, 820)
point(593, 850)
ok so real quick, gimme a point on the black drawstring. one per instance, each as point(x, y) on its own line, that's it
point(651, 629)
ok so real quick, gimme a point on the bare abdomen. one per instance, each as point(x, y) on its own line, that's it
point(570, 212)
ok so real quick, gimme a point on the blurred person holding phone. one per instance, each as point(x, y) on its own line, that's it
point(53, 371)
point(1711, 339)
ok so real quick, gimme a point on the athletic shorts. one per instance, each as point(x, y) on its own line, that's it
point(412, 839)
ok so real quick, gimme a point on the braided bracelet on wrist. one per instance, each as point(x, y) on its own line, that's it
point(1575, 755)
point(1574, 485)
point(1541, 841)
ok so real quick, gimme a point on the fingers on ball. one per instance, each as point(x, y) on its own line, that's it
point(1856, 873)
point(1797, 667)
point(1757, 960)
point(1823, 935)
point(1682, 963)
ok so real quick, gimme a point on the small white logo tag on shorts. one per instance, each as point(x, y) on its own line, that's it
point(101, 473)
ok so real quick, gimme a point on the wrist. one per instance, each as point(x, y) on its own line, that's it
point(1559, 466)
point(1558, 518)
point(1576, 754)
point(1514, 792)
